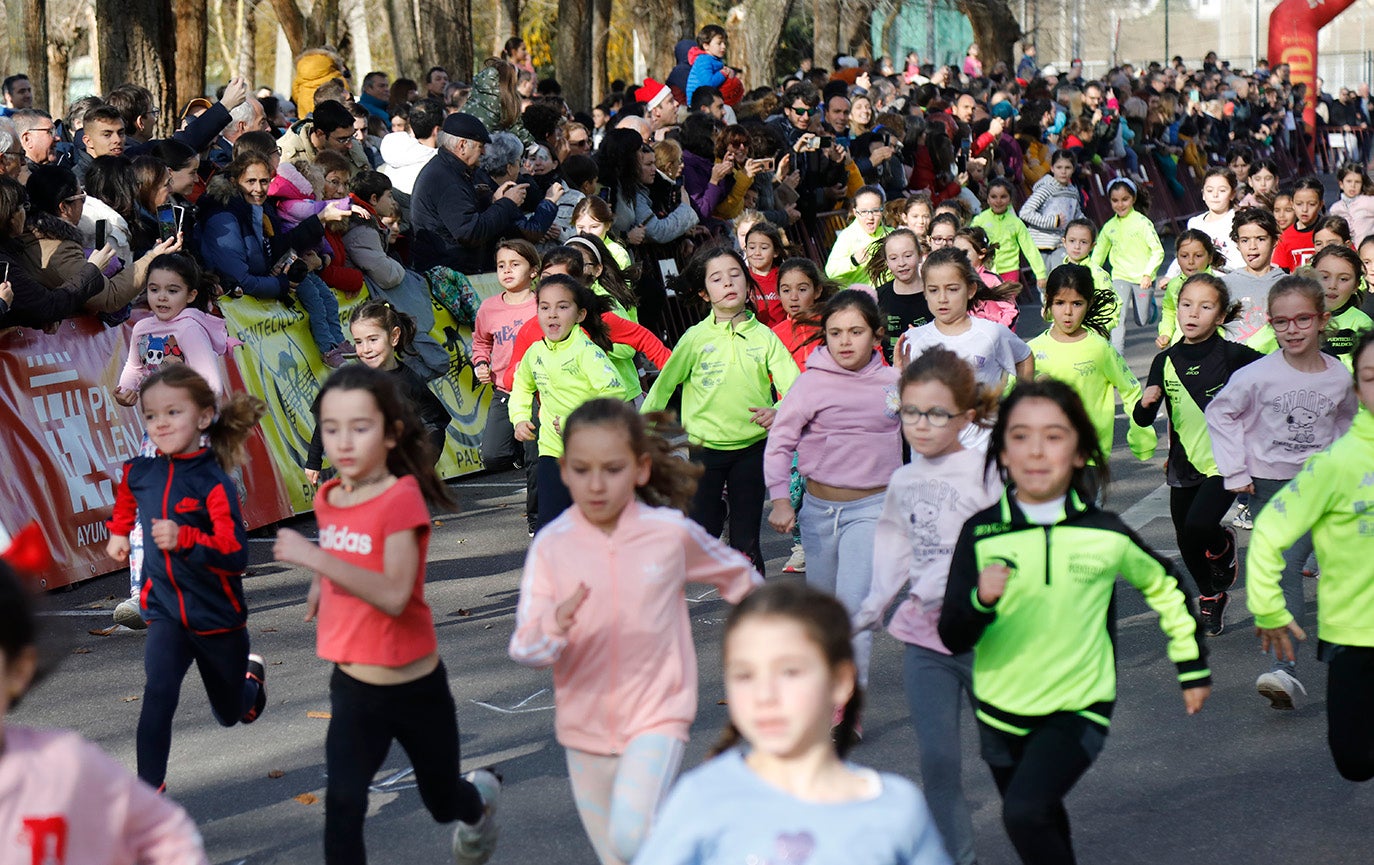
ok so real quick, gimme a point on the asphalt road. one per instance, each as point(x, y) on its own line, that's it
point(1238, 783)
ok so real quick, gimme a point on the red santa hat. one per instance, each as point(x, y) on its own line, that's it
point(652, 94)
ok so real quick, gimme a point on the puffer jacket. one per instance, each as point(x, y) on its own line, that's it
point(242, 252)
point(485, 105)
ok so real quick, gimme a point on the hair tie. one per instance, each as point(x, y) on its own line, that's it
point(587, 244)
point(1124, 181)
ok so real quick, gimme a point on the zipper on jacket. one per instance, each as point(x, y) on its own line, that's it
point(167, 554)
point(1047, 555)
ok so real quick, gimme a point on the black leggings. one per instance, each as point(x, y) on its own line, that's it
point(554, 497)
point(1034, 773)
point(366, 719)
point(1197, 513)
point(500, 448)
point(1349, 707)
point(740, 474)
point(167, 655)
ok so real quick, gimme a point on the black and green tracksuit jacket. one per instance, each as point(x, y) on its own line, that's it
point(1047, 645)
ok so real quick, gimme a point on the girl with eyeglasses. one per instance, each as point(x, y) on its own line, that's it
point(1271, 416)
point(850, 254)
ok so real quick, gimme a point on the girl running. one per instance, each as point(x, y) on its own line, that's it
point(1263, 182)
point(1356, 202)
point(1038, 614)
point(389, 683)
point(729, 365)
point(1218, 196)
point(192, 594)
point(1297, 243)
point(629, 649)
point(566, 368)
point(1255, 232)
point(916, 214)
point(178, 331)
point(763, 246)
point(802, 290)
point(840, 418)
point(1054, 202)
point(1284, 212)
point(1079, 239)
point(605, 277)
point(926, 504)
point(1075, 351)
point(902, 298)
point(1269, 418)
point(64, 799)
point(1339, 268)
point(382, 334)
point(779, 788)
point(1333, 509)
point(852, 249)
point(996, 300)
point(1130, 246)
point(1008, 235)
point(1187, 375)
point(1332, 231)
point(592, 215)
point(1193, 253)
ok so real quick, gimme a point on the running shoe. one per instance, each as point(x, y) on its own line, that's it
point(334, 358)
point(128, 614)
point(796, 563)
point(1226, 565)
point(1278, 687)
point(473, 843)
point(1213, 609)
point(1243, 519)
point(257, 671)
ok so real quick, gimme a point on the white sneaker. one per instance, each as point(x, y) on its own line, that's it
point(1243, 519)
point(796, 563)
point(128, 614)
point(473, 843)
point(1278, 687)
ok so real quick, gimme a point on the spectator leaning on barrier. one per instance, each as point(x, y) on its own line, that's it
point(34, 303)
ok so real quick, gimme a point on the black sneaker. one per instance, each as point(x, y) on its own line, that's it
point(1213, 609)
point(1226, 565)
point(257, 671)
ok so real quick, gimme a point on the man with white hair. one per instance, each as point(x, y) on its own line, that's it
point(247, 116)
point(638, 124)
point(36, 135)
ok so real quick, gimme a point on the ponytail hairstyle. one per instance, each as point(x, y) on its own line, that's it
point(524, 249)
point(1230, 308)
point(612, 278)
point(980, 241)
point(387, 317)
point(952, 256)
point(939, 364)
point(1215, 260)
point(1141, 195)
point(584, 299)
point(1089, 447)
point(413, 454)
point(1102, 305)
point(570, 258)
point(185, 267)
point(1311, 183)
point(825, 622)
point(672, 477)
point(236, 418)
point(1334, 225)
point(877, 258)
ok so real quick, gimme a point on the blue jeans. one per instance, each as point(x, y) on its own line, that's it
point(936, 687)
point(1293, 559)
point(322, 308)
point(837, 538)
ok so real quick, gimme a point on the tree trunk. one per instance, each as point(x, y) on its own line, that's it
point(995, 29)
point(323, 28)
point(28, 37)
point(507, 25)
point(659, 25)
point(246, 66)
point(601, 44)
point(135, 46)
point(190, 42)
point(825, 30)
point(755, 28)
point(574, 57)
point(405, 40)
point(446, 36)
point(856, 33)
point(292, 24)
point(59, 76)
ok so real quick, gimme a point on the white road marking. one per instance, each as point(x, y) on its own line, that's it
point(1148, 509)
point(392, 783)
point(105, 613)
point(507, 486)
point(519, 708)
point(704, 596)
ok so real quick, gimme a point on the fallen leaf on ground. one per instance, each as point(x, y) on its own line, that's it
point(461, 612)
point(274, 663)
point(276, 773)
point(82, 650)
point(267, 631)
point(721, 703)
point(438, 523)
point(98, 605)
point(133, 699)
point(103, 632)
point(307, 798)
point(325, 716)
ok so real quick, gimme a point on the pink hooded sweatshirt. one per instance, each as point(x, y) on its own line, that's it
point(295, 197)
point(192, 337)
point(627, 666)
point(64, 801)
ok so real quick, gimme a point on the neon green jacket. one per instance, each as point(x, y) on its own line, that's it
point(1093, 368)
point(1168, 308)
point(1102, 281)
point(565, 374)
point(725, 369)
point(1013, 241)
point(850, 244)
point(1333, 497)
point(1046, 646)
point(1131, 246)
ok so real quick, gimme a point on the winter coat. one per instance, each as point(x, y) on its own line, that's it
point(485, 104)
point(235, 245)
point(55, 253)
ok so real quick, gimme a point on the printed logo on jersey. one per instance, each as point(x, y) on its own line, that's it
point(187, 505)
point(1086, 367)
point(340, 539)
point(46, 838)
point(924, 503)
point(892, 402)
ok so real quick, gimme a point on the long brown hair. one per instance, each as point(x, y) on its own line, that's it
point(672, 477)
point(237, 416)
point(941, 365)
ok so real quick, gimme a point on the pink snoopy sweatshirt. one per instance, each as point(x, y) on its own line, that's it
point(843, 426)
point(192, 337)
point(63, 801)
point(627, 666)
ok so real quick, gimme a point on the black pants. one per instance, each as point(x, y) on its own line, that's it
point(1349, 707)
point(500, 448)
point(167, 655)
point(741, 473)
point(366, 719)
point(1197, 513)
point(1034, 773)
point(554, 497)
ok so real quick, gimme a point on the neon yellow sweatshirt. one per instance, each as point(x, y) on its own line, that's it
point(850, 244)
point(1168, 307)
point(1093, 369)
point(565, 374)
point(1013, 241)
point(725, 369)
point(1333, 497)
point(1102, 281)
point(1130, 245)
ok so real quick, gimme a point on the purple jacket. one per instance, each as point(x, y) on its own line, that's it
point(696, 176)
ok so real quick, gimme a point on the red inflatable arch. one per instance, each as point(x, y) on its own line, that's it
point(1293, 27)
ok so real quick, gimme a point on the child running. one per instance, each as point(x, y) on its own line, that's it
point(1356, 202)
point(1338, 268)
point(1187, 375)
point(1031, 592)
point(779, 789)
point(192, 594)
point(926, 504)
point(1333, 508)
point(1297, 243)
point(1269, 418)
point(840, 418)
point(995, 300)
point(902, 298)
point(62, 799)
point(616, 629)
point(1193, 253)
point(1052, 206)
point(1130, 246)
point(1008, 235)
point(605, 277)
point(802, 290)
point(1218, 196)
point(916, 213)
point(848, 260)
point(1255, 232)
point(728, 365)
point(592, 215)
point(763, 247)
point(566, 368)
point(389, 683)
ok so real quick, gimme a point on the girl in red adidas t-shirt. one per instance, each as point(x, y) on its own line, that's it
point(389, 683)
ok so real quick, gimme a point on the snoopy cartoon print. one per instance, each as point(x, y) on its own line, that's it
point(1300, 425)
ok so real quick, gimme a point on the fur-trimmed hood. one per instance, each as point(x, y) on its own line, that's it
point(50, 226)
